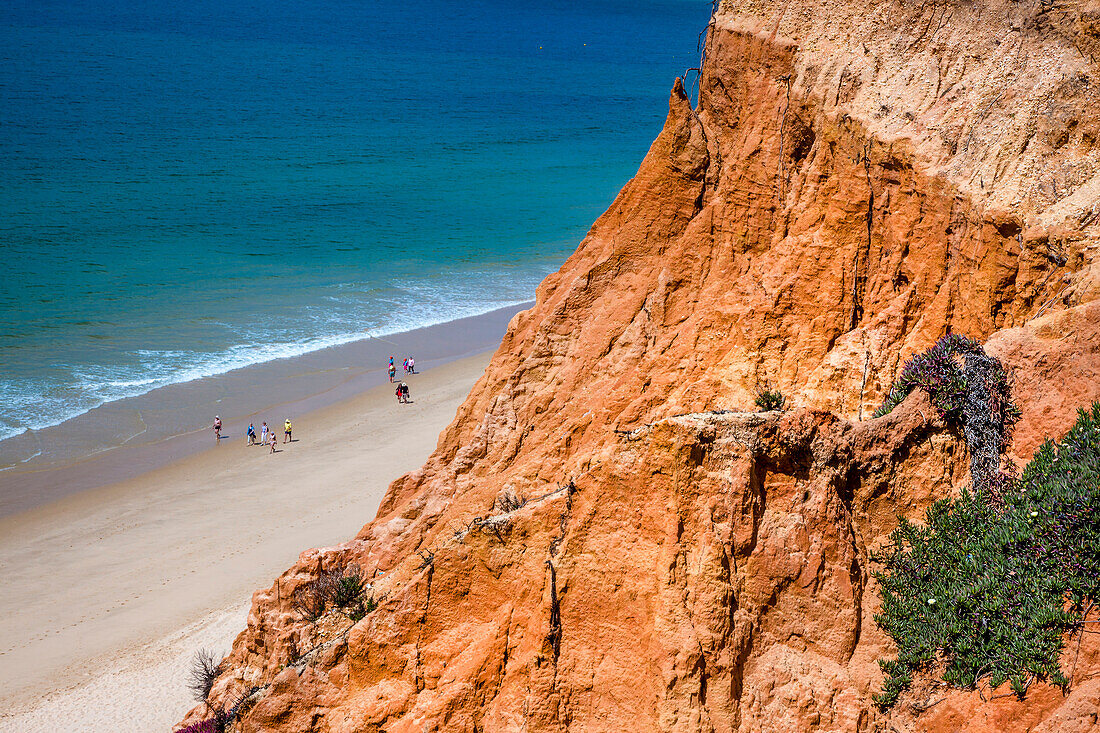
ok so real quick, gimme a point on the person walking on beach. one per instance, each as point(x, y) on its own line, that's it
point(217, 428)
point(263, 434)
point(393, 372)
point(274, 442)
point(251, 434)
point(412, 365)
point(403, 390)
point(286, 430)
point(405, 365)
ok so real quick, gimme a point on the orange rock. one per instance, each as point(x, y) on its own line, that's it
point(1054, 362)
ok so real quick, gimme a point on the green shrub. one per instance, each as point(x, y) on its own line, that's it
point(983, 587)
point(362, 608)
point(770, 399)
point(341, 588)
point(347, 586)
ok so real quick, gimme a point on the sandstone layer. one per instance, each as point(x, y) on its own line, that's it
point(604, 539)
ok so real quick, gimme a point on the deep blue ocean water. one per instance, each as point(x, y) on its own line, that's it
point(187, 188)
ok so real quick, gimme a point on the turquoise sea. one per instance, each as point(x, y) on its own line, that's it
point(189, 188)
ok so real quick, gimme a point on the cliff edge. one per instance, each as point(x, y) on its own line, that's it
point(605, 538)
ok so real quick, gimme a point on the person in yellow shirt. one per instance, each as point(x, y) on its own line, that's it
point(286, 430)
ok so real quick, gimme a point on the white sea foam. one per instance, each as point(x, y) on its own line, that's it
point(130, 382)
point(8, 432)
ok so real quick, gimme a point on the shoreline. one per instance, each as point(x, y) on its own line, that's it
point(99, 581)
point(124, 439)
point(292, 351)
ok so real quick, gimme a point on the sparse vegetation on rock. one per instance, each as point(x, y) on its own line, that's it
point(938, 372)
point(768, 399)
point(343, 588)
point(362, 608)
point(969, 389)
point(205, 668)
point(210, 725)
point(310, 600)
point(985, 591)
point(347, 586)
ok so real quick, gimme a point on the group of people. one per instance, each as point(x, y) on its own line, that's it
point(265, 432)
point(409, 366)
point(402, 390)
point(267, 435)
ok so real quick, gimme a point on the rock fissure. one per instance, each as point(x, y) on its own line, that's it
point(418, 674)
point(553, 635)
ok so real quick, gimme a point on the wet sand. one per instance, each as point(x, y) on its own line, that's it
point(108, 592)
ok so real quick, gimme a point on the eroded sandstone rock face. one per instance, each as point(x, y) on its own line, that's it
point(855, 181)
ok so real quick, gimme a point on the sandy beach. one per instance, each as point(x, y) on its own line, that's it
point(109, 592)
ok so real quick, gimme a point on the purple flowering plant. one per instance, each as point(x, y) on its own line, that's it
point(937, 371)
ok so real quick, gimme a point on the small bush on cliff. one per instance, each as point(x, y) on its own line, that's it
point(362, 608)
point(347, 586)
point(969, 389)
point(768, 399)
point(938, 373)
point(342, 588)
point(205, 668)
point(241, 704)
point(988, 589)
point(310, 600)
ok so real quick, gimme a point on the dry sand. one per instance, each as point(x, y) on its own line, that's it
point(107, 594)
